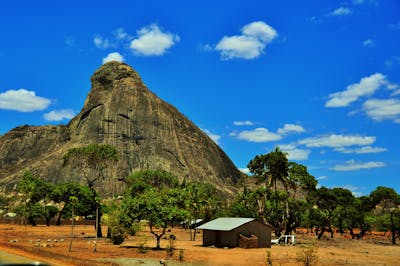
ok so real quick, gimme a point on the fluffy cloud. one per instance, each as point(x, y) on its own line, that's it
point(257, 135)
point(243, 123)
point(379, 110)
point(152, 41)
point(352, 165)
point(337, 141)
point(22, 100)
point(250, 44)
point(213, 136)
point(362, 150)
point(368, 43)
point(341, 11)
point(367, 86)
point(294, 153)
point(113, 57)
point(58, 115)
point(291, 128)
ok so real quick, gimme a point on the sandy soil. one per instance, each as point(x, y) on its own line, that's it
point(50, 245)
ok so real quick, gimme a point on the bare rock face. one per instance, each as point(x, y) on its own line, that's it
point(120, 111)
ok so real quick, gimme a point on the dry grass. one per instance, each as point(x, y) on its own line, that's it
point(338, 251)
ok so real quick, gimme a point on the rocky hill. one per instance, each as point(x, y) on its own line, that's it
point(120, 111)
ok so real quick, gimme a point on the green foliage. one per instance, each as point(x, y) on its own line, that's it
point(35, 193)
point(91, 154)
point(117, 233)
point(92, 160)
point(270, 168)
point(299, 177)
point(83, 207)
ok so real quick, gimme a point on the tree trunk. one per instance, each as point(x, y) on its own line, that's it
point(72, 230)
point(393, 226)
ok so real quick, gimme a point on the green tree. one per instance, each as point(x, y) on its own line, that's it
point(92, 160)
point(387, 201)
point(62, 195)
point(198, 198)
point(36, 193)
point(271, 169)
point(158, 206)
point(323, 202)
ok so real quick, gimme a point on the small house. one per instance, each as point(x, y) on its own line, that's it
point(236, 232)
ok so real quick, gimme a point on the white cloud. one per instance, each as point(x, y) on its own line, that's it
point(213, 136)
point(337, 141)
point(250, 44)
point(243, 123)
point(341, 11)
point(368, 43)
point(379, 110)
point(152, 41)
point(352, 165)
point(244, 170)
point(115, 56)
point(367, 86)
point(362, 150)
point(101, 42)
point(291, 128)
point(354, 190)
point(257, 135)
point(294, 153)
point(22, 100)
point(324, 177)
point(58, 115)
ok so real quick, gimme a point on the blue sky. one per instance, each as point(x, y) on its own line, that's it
point(320, 79)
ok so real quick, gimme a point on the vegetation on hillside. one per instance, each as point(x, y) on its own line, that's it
point(283, 194)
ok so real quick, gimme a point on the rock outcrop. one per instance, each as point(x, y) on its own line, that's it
point(120, 111)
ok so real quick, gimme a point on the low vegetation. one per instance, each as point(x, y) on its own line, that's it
point(279, 192)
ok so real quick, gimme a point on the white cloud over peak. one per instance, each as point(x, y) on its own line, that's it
point(295, 153)
point(115, 56)
point(379, 110)
point(291, 128)
point(353, 165)
point(337, 141)
point(257, 135)
point(22, 100)
point(244, 170)
point(58, 115)
point(341, 11)
point(213, 136)
point(152, 41)
point(243, 123)
point(361, 150)
point(250, 44)
point(366, 87)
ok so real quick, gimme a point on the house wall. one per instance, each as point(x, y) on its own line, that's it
point(230, 238)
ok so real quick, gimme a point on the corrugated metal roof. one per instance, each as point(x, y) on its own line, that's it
point(225, 223)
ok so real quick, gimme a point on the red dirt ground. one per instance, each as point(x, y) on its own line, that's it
point(375, 250)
